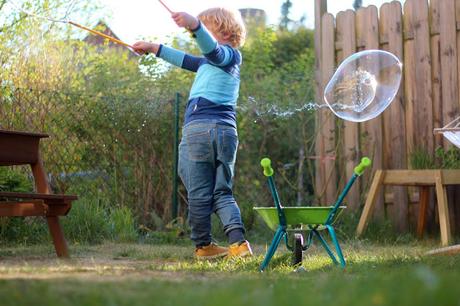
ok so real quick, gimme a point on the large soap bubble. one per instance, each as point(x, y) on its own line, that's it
point(364, 85)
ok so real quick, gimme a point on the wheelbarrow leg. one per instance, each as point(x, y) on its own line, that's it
point(336, 244)
point(280, 232)
point(326, 246)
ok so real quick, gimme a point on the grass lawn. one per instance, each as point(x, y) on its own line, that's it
point(140, 274)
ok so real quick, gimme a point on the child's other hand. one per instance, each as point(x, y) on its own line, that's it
point(143, 47)
point(185, 20)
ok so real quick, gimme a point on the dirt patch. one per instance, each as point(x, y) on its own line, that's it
point(106, 262)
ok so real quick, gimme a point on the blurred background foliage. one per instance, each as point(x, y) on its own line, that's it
point(110, 117)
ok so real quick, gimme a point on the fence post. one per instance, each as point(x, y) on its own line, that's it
point(320, 10)
point(394, 119)
point(175, 204)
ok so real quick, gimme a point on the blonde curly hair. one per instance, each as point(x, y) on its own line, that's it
point(227, 22)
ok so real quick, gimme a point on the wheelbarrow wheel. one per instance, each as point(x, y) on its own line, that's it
point(297, 254)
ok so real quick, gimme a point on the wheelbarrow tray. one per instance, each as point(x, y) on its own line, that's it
point(297, 217)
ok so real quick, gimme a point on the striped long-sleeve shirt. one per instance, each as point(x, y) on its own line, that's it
point(214, 92)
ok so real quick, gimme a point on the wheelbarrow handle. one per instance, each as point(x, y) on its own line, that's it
point(266, 163)
point(365, 162)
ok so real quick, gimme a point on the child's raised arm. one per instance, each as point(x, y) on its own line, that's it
point(216, 53)
point(171, 55)
point(143, 47)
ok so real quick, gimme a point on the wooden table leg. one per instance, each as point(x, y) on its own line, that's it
point(423, 208)
point(443, 210)
point(40, 179)
point(370, 201)
point(60, 245)
point(42, 186)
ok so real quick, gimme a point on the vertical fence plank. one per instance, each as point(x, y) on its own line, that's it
point(367, 33)
point(320, 10)
point(409, 76)
point(423, 106)
point(457, 19)
point(328, 183)
point(339, 130)
point(391, 36)
point(449, 74)
point(418, 77)
point(449, 69)
point(437, 96)
point(436, 69)
point(410, 81)
point(346, 34)
point(457, 189)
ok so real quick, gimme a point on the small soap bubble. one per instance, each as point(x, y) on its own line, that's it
point(364, 85)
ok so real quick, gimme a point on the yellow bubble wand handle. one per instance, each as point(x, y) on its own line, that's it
point(166, 7)
point(171, 12)
point(112, 39)
point(359, 169)
point(266, 164)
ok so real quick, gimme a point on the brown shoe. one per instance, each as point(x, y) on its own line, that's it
point(210, 251)
point(239, 250)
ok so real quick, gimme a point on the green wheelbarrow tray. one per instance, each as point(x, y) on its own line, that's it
point(298, 218)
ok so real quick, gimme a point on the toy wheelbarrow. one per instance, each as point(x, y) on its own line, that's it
point(303, 219)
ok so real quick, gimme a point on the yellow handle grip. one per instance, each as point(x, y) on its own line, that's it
point(365, 162)
point(266, 163)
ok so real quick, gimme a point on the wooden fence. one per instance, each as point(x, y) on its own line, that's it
point(426, 38)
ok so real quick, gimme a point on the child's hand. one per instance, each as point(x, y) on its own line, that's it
point(142, 47)
point(185, 20)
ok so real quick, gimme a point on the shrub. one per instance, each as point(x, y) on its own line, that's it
point(122, 225)
point(87, 222)
point(14, 181)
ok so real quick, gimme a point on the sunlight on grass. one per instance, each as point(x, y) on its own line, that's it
point(111, 257)
point(137, 274)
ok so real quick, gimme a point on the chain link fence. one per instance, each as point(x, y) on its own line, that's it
point(120, 151)
point(107, 148)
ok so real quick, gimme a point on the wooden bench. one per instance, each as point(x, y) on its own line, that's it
point(35, 204)
point(424, 179)
point(22, 148)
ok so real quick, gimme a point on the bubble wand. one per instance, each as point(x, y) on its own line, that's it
point(166, 7)
point(110, 38)
point(171, 12)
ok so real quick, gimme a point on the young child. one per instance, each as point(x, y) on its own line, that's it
point(207, 151)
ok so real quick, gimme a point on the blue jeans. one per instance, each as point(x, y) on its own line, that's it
point(207, 155)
